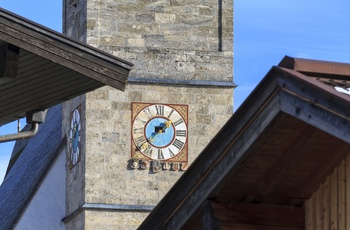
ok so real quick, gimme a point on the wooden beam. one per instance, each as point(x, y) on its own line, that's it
point(259, 214)
point(255, 227)
point(8, 62)
point(272, 177)
point(210, 222)
point(319, 175)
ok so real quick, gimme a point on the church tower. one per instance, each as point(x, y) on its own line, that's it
point(126, 149)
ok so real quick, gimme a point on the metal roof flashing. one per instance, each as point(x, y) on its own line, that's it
point(316, 68)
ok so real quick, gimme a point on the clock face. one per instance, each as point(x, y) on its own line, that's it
point(74, 137)
point(159, 132)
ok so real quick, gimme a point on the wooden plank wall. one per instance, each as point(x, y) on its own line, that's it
point(329, 206)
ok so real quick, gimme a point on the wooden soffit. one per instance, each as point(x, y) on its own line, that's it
point(40, 68)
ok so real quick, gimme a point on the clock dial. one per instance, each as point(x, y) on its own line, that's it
point(75, 137)
point(159, 132)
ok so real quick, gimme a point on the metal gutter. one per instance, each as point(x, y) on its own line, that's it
point(21, 135)
point(34, 117)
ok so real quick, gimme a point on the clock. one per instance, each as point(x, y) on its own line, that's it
point(159, 132)
point(75, 137)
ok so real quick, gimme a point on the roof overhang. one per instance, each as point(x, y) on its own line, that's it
point(271, 155)
point(40, 68)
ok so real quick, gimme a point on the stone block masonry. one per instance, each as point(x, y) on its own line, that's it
point(175, 46)
point(166, 39)
point(108, 179)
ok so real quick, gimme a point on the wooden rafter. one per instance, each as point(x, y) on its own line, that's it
point(259, 214)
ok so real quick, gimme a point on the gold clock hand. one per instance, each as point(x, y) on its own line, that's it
point(144, 146)
point(167, 124)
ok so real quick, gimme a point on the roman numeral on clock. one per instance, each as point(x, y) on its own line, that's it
point(181, 133)
point(148, 151)
point(160, 154)
point(138, 130)
point(171, 112)
point(160, 110)
point(171, 153)
point(140, 141)
point(142, 121)
point(178, 144)
point(148, 112)
point(176, 123)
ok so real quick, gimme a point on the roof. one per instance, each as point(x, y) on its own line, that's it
point(41, 68)
point(270, 156)
point(34, 157)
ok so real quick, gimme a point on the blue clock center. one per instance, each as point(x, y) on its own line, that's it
point(158, 134)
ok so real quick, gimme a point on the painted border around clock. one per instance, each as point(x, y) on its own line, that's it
point(182, 109)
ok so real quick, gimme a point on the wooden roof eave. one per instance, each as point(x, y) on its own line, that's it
point(63, 50)
point(217, 160)
point(41, 68)
point(316, 103)
point(279, 92)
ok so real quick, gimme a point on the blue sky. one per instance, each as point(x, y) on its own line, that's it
point(265, 31)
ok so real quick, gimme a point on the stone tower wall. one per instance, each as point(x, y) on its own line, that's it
point(174, 39)
point(74, 25)
point(74, 19)
point(183, 54)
